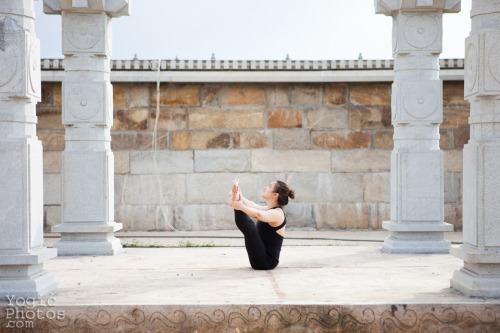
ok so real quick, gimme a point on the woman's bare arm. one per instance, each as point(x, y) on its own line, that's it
point(272, 216)
point(252, 204)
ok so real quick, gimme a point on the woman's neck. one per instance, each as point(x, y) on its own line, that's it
point(272, 203)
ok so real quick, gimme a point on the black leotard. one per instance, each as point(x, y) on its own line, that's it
point(262, 242)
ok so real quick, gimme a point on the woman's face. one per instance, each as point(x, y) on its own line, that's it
point(269, 190)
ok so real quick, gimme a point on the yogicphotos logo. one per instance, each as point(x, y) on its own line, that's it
point(22, 312)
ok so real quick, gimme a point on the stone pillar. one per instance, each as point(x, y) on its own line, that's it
point(480, 252)
point(417, 173)
point(88, 225)
point(21, 168)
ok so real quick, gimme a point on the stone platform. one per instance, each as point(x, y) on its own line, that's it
point(326, 282)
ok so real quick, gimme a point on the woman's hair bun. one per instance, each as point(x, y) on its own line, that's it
point(284, 192)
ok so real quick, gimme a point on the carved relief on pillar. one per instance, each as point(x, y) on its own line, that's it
point(20, 62)
point(87, 103)
point(417, 31)
point(417, 101)
point(86, 33)
point(482, 71)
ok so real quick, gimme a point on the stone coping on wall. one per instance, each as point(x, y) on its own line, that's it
point(252, 70)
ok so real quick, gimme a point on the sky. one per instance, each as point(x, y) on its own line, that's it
point(253, 30)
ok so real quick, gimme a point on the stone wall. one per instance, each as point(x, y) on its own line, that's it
point(331, 142)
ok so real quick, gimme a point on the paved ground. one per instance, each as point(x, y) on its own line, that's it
point(315, 268)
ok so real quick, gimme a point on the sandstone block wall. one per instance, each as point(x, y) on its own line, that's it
point(330, 142)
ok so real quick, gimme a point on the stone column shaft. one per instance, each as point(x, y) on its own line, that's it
point(480, 252)
point(88, 225)
point(417, 176)
point(21, 177)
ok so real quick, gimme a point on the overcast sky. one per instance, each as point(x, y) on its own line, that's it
point(256, 29)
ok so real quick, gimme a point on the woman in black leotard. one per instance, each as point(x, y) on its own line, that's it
point(263, 239)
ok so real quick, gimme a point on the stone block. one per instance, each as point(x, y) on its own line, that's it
point(361, 161)
point(145, 189)
point(57, 94)
point(171, 119)
point(451, 187)
point(204, 217)
point(341, 216)
point(222, 161)
point(140, 95)
point(299, 215)
point(47, 94)
point(200, 140)
point(370, 94)
point(215, 118)
point(21, 194)
point(141, 162)
point(52, 216)
point(120, 95)
point(49, 118)
point(119, 193)
point(52, 188)
point(284, 118)
point(453, 215)
point(210, 95)
point(445, 139)
point(266, 178)
point(328, 119)
point(243, 95)
point(137, 140)
point(290, 160)
point(122, 162)
point(305, 95)
point(379, 212)
point(453, 160)
point(455, 117)
point(350, 140)
point(52, 162)
point(453, 93)
point(131, 120)
point(144, 217)
point(335, 94)
point(377, 187)
point(178, 94)
point(461, 137)
point(370, 117)
point(383, 140)
point(278, 95)
point(87, 185)
point(326, 187)
point(291, 139)
point(52, 140)
point(213, 188)
point(250, 140)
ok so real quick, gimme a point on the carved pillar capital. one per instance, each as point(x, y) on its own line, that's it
point(393, 7)
point(113, 8)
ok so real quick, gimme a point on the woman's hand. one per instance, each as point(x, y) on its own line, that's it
point(238, 205)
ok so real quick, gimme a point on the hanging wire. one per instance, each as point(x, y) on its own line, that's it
point(154, 143)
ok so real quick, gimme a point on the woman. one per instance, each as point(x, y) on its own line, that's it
point(263, 239)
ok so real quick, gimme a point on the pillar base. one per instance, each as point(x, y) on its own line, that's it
point(416, 237)
point(22, 275)
point(480, 276)
point(82, 239)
